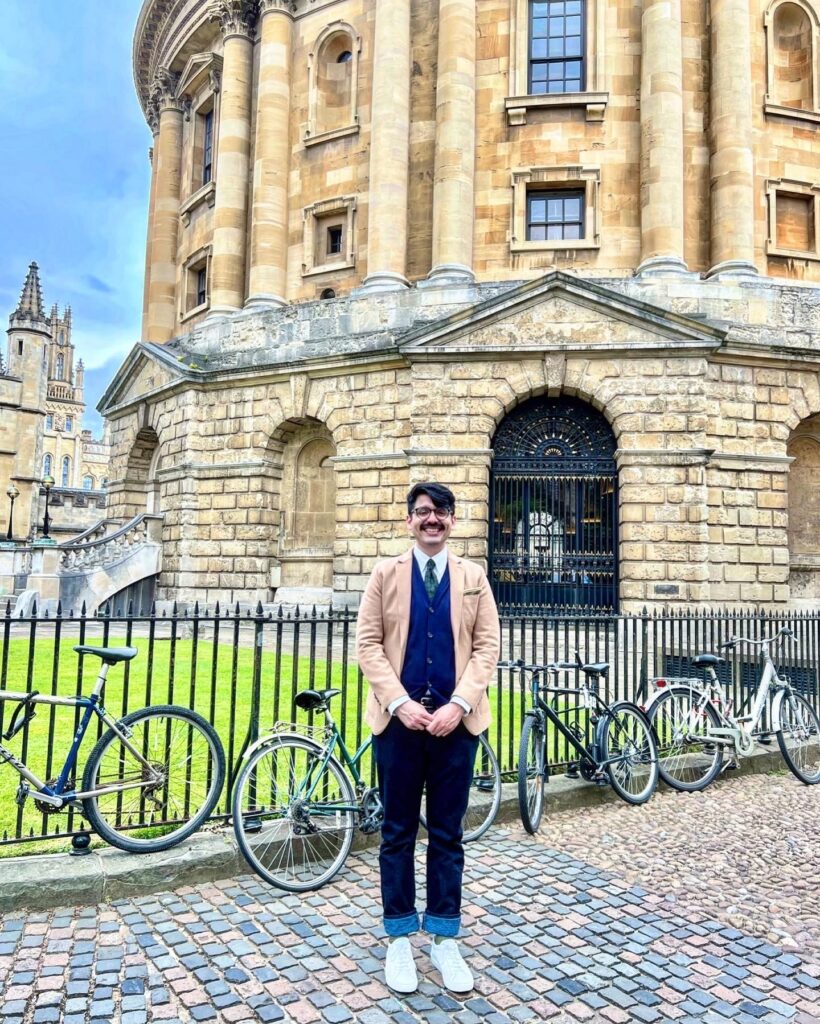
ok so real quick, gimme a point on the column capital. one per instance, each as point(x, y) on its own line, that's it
point(269, 6)
point(235, 17)
point(162, 96)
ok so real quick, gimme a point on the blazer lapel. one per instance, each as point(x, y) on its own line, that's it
point(456, 568)
point(404, 584)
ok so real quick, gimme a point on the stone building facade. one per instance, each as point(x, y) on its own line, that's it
point(41, 396)
point(564, 254)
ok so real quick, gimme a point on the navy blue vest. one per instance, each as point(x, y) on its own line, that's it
point(430, 656)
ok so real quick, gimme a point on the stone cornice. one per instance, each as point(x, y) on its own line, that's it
point(235, 17)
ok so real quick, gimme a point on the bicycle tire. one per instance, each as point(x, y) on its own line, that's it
point(626, 734)
point(800, 724)
point(485, 794)
point(281, 836)
point(177, 735)
point(685, 761)
point(532, 751)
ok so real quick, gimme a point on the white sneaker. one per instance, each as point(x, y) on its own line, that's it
point(399, 968)
point(455, 973)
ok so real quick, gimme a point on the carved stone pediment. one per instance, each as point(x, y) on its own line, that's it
point(141, 374)
point(561, 313)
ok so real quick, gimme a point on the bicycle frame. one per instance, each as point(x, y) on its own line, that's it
point(92, 705)
point(592, 702)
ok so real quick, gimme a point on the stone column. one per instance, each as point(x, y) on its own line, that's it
point(662, 154)
point(732, 164)
point(237, 19)
point(389, 148)
point(454, 180)
point(162, 306)
point(269, 218)
point(150, 232)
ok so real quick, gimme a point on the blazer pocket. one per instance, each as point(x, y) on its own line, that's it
point(472, 590)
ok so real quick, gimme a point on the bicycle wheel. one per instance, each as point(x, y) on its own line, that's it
point(173, 786)
point(799, 738)
point(628, 748)
point(532, 752)
point(485, 794)
point(687, 759)
point(293, 816)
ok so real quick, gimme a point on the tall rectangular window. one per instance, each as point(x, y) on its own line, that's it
point(207, 147)
point(334, 240)
point(201, 286)
point(553, 216)
point(556, 46)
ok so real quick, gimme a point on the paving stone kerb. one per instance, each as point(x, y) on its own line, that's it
point(43, 882)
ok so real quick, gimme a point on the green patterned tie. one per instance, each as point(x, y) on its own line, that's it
point(430, 579)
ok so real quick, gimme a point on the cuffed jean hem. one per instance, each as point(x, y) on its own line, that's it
point(446, 927)
point(405, 925)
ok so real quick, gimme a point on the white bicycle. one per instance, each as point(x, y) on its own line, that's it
point(695, 724)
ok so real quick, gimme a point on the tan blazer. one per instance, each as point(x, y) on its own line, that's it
point(384, 621)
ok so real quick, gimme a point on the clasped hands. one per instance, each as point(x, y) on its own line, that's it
point(440, 723)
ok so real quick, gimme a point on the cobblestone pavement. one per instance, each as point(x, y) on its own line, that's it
point(614, 915)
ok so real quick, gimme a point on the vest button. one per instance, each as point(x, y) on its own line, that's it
point(429, 636)
point(430, 610)
point(429, 661)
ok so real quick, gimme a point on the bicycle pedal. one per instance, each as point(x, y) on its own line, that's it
point(731, 766)
point(600, 780)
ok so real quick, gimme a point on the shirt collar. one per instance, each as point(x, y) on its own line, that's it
point(440, 560)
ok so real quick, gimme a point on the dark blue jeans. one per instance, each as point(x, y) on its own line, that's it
point(407, 760)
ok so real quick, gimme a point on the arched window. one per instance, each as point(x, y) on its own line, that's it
point(48, 464)
point(66, 473)
point(59, 368)
point(333, 86)
point(88, 483)
point(792, 36)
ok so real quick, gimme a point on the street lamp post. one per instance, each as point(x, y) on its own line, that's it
point(48, 483)
point(12, 493)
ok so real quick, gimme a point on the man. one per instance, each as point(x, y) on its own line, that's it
point(427, 641)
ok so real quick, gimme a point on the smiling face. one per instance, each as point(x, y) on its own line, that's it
point(429, 532)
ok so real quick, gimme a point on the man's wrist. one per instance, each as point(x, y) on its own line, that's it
point(461, 703)
point(394, 705)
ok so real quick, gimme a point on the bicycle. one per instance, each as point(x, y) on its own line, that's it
point(621, 753)
point(150, 781)
point(295, 809)
point(694, 721)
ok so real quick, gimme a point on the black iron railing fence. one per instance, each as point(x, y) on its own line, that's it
point(241, 670)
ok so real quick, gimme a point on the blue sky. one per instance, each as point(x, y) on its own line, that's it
point(74, 172)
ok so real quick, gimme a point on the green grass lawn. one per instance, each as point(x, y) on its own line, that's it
point(215, 680)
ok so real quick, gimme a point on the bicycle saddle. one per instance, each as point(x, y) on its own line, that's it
point(110, 655)
point(311, 700)
point(597, 668)
point(703, 660)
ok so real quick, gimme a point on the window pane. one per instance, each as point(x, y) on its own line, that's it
point(572, 46)
point(573, 26)
point(556, 47)
point(572, 208)
point(538, 88)
point(573, 7)
point(556, 26)
point(573, 68)
point(539, 10)
point(554, 233)
point(556, 86)
point(556, 211)
point(538, 210)
point(572, 231)
point(573, 85)
point(539, 48)
point(539, 72)
point(537, 233)
point(539, 27)
point(556, 71)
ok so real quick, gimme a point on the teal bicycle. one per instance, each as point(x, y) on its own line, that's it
point(301, 796)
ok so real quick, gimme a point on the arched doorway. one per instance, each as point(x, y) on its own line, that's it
point(554, 508)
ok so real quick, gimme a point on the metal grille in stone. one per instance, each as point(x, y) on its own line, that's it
point(554, 507)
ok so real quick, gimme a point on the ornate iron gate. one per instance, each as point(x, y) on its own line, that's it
point(554, 508)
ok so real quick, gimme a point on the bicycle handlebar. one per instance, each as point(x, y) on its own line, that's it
point(551, 666)
point(784, 631)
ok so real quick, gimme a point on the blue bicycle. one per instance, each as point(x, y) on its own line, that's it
point(151, 780)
